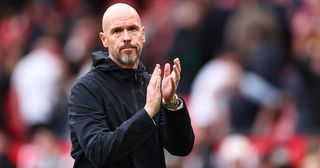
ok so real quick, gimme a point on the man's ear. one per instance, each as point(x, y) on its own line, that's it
point(103, 39)
point(144, 35)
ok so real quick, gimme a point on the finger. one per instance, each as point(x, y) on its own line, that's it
point(173, 83)
point(154, 75)
point(176, 72)
point(158, 82)
point(166, 70)
point(175, 76)
point(177, 62)
point(158, 77)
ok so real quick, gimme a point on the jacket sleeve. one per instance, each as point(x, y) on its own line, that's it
point(100, 144)
point(176, 131)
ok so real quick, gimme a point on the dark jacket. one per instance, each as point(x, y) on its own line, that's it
point(111, 129)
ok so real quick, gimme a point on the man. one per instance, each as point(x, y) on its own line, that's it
point(119, 115)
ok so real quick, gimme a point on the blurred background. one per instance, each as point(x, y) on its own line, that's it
point(251, 77)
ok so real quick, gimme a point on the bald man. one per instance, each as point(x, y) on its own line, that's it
point(120, 116)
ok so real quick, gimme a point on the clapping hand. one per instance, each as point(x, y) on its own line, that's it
point(168, 86)
point(153, 98)
point(170, 80)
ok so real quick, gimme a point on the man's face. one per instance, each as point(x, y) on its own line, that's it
point(124, 37)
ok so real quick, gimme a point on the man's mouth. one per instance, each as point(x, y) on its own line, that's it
point(128, 47)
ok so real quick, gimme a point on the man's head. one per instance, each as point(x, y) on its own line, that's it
point(123, 35)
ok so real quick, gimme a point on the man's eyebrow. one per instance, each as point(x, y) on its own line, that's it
point(134, 26)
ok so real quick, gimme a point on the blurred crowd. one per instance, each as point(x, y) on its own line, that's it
point(251, 77)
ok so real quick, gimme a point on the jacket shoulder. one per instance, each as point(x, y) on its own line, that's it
point(88, 80)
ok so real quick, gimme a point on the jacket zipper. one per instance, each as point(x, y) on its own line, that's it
point(135, 101)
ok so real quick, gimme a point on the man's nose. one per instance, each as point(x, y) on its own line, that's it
point(126, 36)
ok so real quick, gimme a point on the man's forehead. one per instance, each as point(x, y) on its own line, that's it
point(122, 18)
point(122, 22)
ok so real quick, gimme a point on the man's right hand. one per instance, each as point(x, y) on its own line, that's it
point(153, 99)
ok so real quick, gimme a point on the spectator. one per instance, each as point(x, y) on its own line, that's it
point(43, 151)
point(304, 78)
point(186, 44)
point(36, 80)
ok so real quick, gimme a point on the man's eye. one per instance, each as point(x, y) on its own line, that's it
point(133, 28)
point(115, 31)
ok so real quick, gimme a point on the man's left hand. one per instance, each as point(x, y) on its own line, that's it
point(170, 81)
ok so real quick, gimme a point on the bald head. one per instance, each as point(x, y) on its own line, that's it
point(119, 11)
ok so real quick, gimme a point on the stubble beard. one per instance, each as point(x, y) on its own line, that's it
point(127, 59)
